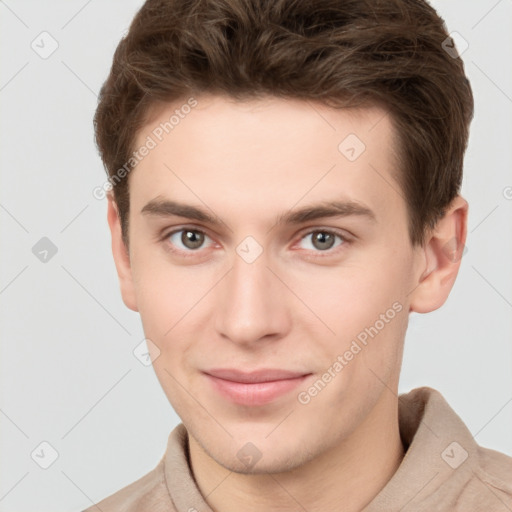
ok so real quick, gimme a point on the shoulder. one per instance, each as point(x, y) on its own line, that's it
point(147, 493)
point(485, 483)
point(493, 471)
point(458, 474)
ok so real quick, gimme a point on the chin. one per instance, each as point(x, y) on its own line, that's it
point(255, 455)
point(263, 467)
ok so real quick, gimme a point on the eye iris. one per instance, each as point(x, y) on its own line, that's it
point(321, 237)
point(192, 239)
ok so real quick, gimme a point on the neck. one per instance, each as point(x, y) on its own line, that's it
point(345, 477)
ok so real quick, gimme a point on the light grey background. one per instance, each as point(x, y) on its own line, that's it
point(68, 374)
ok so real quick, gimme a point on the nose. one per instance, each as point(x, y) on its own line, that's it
point(251, 305)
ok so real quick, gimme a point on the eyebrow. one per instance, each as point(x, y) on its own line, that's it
point(166, 208)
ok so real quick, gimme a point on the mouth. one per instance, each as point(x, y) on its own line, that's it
point(254, 388)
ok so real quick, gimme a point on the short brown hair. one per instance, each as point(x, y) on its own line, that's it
point(339, 52)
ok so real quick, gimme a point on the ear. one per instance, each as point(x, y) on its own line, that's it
point(441, 256)
point(121, 256)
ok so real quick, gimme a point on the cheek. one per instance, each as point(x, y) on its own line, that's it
point(351, 297)
point(172, 302)
point(161, 292)
point(364, 308)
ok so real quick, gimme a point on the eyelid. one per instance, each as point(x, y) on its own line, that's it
point(342, 233)
point(176, 229)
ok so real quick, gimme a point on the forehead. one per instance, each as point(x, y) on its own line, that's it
point(266, 154)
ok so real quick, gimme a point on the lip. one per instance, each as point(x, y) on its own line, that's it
point(254, 388)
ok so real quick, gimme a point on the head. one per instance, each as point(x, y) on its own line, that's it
point(246, 123)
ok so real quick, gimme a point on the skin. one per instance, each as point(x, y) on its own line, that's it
point(298, 306)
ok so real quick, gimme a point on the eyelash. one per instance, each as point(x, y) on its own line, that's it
point(192, 253)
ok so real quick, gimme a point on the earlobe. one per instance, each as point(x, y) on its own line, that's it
point(442, 252)
point(121, 256)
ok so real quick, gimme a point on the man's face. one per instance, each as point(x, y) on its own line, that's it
point(324, 297)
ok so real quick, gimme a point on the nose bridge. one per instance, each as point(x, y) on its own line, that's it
point(252, 303)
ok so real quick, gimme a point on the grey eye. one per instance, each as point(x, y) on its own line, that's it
point(322, 240)
point(188, 238)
